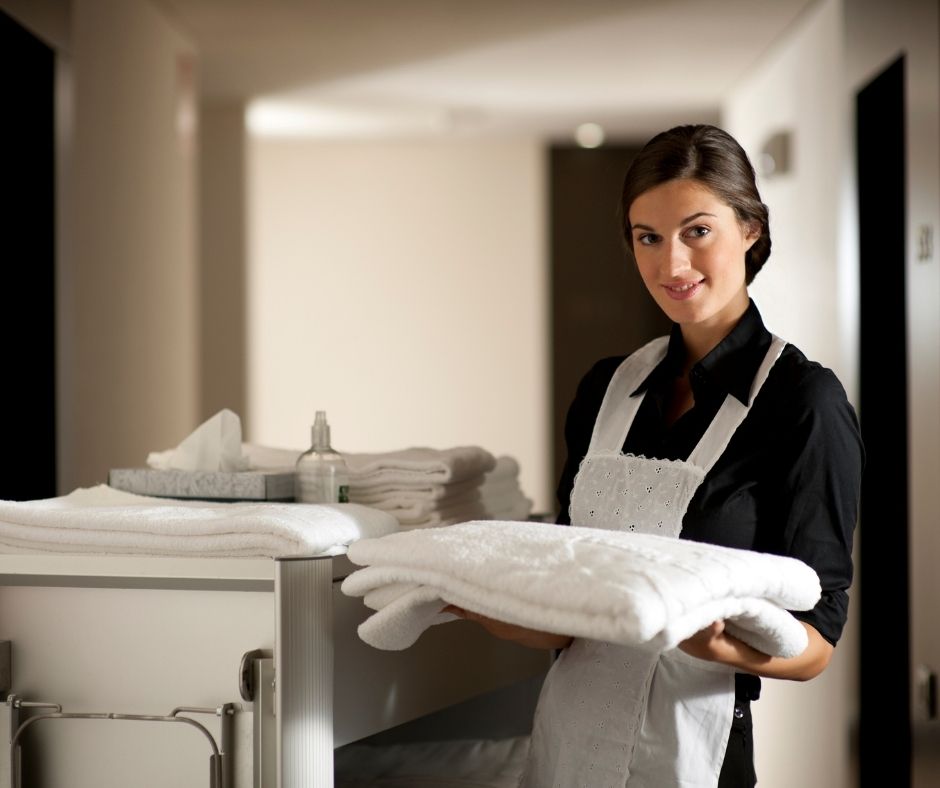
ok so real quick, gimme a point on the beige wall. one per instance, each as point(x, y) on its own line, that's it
point(222, 258)
point(401, 287)
point(127, 333)
point(798, 87)
point(876, 34)
point(127, 368)
point(127, 276)
point(809, 293)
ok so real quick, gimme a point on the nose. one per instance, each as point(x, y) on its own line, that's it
point(676, 261)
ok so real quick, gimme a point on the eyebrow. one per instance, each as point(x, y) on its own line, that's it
point(684, 222)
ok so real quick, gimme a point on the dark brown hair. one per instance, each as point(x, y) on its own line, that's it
point(712, 157)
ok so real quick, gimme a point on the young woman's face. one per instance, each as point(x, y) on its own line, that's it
point(690, 247)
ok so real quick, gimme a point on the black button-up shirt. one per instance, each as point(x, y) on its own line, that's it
point(787, 483)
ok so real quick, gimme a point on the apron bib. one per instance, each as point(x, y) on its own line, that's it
point(614, 715)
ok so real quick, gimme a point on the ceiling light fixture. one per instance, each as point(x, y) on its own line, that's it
point(589, 135)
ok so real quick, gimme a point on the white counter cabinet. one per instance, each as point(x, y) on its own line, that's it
point(145, 636)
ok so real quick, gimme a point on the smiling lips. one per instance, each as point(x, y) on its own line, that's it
point(684, 290)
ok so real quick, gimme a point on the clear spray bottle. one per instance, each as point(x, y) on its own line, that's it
point(321, 472)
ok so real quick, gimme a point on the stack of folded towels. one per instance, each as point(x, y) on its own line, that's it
point(104, 521)
point(424, 487)
point(429, 487)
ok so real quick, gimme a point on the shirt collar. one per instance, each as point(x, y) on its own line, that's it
point(729, 368)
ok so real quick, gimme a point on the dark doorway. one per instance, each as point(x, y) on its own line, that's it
point(27, 220)
point(884, 692)
point(600, 306)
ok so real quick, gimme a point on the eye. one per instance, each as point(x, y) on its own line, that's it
point(648, 239)
point(698, 231)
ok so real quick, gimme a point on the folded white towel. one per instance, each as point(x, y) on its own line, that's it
point(509, 505)
point(457, 514)
point(506, 467)
point(420, 464)
point(415, 510)
point(262, 458)
point(413, 491)
point(403, 496)
point(495, 487)
point(620, 587)
point(498, 489)
point(104, 520)
point(503, 498)
point(516, 508)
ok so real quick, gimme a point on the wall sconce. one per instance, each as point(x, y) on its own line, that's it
point(775, 155)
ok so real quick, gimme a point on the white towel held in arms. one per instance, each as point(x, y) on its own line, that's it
point(614, 586)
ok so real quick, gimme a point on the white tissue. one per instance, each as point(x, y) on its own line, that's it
point(215, 445)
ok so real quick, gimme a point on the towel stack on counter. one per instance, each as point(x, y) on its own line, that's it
point(429, 487)
point(101, 520)
point(424, 487)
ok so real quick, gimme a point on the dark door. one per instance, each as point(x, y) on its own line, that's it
point(884, 628)
point(27, 264)
point(600, 306)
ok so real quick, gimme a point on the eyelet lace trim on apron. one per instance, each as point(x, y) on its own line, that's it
point(627, 489)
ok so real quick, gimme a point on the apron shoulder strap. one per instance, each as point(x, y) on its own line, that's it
point(731, 413)
point(618, 408)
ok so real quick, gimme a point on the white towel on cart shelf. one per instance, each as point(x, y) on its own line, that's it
point(498, 503)
point(415, 491)
point(517, 509)
point(496, 494)
point(261, 457)
point(506, 468)
point(104, 520)
point(614, 586)
point(419, 464)
point(471, 505)
point(514, 506)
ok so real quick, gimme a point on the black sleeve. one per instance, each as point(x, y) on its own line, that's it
point(579, 424)
point(820, 474)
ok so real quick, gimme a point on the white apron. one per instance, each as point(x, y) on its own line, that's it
point(612, 715)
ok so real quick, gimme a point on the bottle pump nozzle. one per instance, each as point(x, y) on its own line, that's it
point(320, 432)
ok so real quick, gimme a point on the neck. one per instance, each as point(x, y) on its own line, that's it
point(701, 338)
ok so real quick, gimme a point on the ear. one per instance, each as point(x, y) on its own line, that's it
point(752, 231)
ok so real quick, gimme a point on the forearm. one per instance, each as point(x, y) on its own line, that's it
point(530, 638)
point(715, 645)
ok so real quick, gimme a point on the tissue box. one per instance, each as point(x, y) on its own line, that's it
point(273, 485)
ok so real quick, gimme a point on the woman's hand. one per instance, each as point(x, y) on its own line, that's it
point(525, 637)
point(715, 645)
point(712, 643)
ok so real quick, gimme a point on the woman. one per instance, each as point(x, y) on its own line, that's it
point(770, 457)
